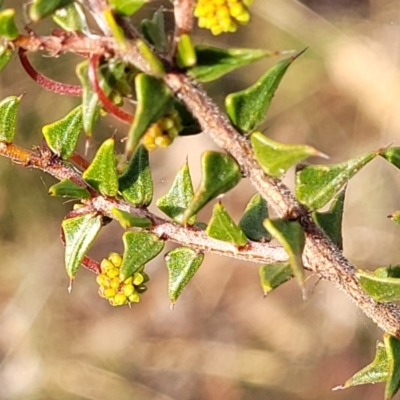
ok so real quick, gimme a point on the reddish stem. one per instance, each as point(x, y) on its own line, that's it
point(107, 103)
point(47, 83)
point(79, 160)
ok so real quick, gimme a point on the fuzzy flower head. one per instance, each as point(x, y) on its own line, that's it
point(222, 15)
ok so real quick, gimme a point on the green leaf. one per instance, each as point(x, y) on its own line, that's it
point(220, 173)
point(154, 31)
point(62, 136)
point(72, 19)
point(213, 62)
point(127, 220)
point(136, 184)
point(8, 118)
point(222, 227)
point(153, 102)
point(276, 158)
point(274, 275)
point(139, 248)
point(43, 8)
point(186, 56)
point(291, 236)
point(377, 371)
point(156, 67)
point(67, 188)
point(392, 154)
point(392, 345)
point(8, 29)
point(331, 221)
point(102, 172)
point(316, 185)
point(381, 288)
point(90, 101)
point(179, 196)
point(248, 108)
point(391, 271)
point(79, 234)
point(252, 220)
point(126, 7)
point(5, 56)
point(182, 264)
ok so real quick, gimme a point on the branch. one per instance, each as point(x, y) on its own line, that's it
point(320, 254)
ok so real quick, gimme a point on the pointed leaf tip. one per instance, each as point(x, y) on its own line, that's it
point(102, 172)
point(182, 264)
point(222, 227)
point(276, 158)
point(220, 173)
point(316, 185)
point(274, 275)
point(42, 8)
point(248, 108)
point(67, 188)
point(251, 222)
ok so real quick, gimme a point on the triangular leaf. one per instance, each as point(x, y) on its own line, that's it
point(392, 345)
point(72, 18)
point(220, 173)
point(317, 184)
point(274, 275)
point(222, 227)
point(136, 184)
point(331, 221)
point(154, 31)
point(5, 56)
point(154, 65)
point(213, 62)
point(67, 188)
point(381, 288)
point(186, 56)
point(391, 271)
point(153, 102)
point(127, 7)
point(291, 236)
point(182, 264)
point(8, 29)
point(179, 196)
point(127, 220)
point(43, 8)
point(139, 248)
point(8, 118)
point(62, 136)
point(248, 108)
point(377, 371)
point(79, 234)
point(102, 172)
point(252, 220)
point(276, 158)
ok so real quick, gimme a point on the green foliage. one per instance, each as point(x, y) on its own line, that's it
point(127, 220)
point(67, 188)
point(214, 62)
point(182, 264)
point(5, 56)
point(248, 108)
point(276, 158)
point(316, 185)
point(154, 31)
point(43, 8)
point(8, 118)
point(222, 227)
point(102, 172)
point(127, 7)
point(220, 173)
point(274, 275)
point(72, 18)
point(8, 29)
point(62, 136)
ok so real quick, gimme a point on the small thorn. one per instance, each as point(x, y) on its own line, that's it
point(338, 387)
point(87, 145)
point(265, 294)
point(172, 306)
point(71, 281)
point(304, 293)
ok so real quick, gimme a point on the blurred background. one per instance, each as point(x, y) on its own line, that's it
point(223, 340)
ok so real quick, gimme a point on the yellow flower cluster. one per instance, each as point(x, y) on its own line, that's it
point(222, 15)
point(163, 132)
point(111, 288)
